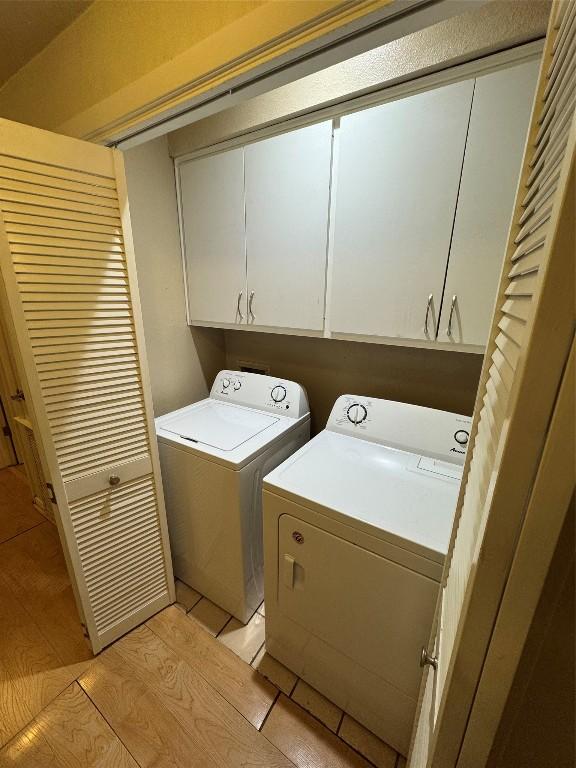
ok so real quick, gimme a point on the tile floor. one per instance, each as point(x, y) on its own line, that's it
point(302, 723)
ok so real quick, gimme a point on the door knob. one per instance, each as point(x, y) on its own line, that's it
point(428, 661)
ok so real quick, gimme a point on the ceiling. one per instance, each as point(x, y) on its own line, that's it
point(27, 26)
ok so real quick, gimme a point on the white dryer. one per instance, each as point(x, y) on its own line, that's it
point(213, 455)
point(356, 527)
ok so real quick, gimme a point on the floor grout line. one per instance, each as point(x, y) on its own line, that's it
point(278, 692)
point(256, 654)
point(223, 628)
point(294, 686)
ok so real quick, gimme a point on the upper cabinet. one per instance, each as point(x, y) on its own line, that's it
point(388, 224)
point(211, 192)
point(397, 177)
point(287, 202)
point(496, 138)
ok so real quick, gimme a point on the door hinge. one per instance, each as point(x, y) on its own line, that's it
point(51, 494)
point(18, 395)
point(6, 431)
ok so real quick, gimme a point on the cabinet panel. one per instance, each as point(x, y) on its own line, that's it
point(498, 124)
point(287, 199)
point(212, 216)
point(398, 172)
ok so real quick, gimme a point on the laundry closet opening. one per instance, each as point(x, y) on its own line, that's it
point(333, 247)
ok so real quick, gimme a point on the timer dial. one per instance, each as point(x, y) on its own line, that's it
point(461, 436)
point(356, 413)
point(278, 393)
point(225, 383)
point(237, 385)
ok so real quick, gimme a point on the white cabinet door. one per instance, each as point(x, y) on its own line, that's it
point(500, 116)
point(212, 220)
point(398, 172)
point(287, 200)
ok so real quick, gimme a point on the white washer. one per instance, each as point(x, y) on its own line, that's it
point(356, 527)
point(213, 455)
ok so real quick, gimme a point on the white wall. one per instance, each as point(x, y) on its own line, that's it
point(183, 361)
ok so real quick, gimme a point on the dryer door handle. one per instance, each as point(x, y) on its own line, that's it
point(288, 571)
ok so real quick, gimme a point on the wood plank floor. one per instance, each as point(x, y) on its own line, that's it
point(17, 513)
point(68, 732)
point(42, 647)
point(167, 695)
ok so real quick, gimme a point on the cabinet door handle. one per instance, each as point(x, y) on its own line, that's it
point(428, 305)
point(238, 310)
point(452, 306)
point(250, 301)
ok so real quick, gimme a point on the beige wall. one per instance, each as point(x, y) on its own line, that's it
point(126, 60)
point(328, 368)
point(183, 361)
point(112, 44)
point(495, 26)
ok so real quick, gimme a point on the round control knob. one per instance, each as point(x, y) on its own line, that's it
point(461, 436)
point(225, 383)
point(356, 413)
point(278, 393)
point(237, 385)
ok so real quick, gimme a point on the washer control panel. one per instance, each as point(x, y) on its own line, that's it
point(264, 392)
point(414, 428)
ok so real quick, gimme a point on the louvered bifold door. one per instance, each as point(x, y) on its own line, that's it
point(67, 262)
point(532, 329)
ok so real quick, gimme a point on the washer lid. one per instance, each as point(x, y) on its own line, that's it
point(218, 424)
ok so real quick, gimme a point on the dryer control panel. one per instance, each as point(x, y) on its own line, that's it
point(414, 428)
point(266, 393)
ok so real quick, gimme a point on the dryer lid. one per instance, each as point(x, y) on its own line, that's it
point(405, 498)
point(219, 425)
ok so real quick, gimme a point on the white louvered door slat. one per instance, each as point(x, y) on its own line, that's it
point(67, 262)
point(512, 411)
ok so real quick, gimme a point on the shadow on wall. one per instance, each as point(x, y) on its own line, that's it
point(209, 347)
point(328, 368)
